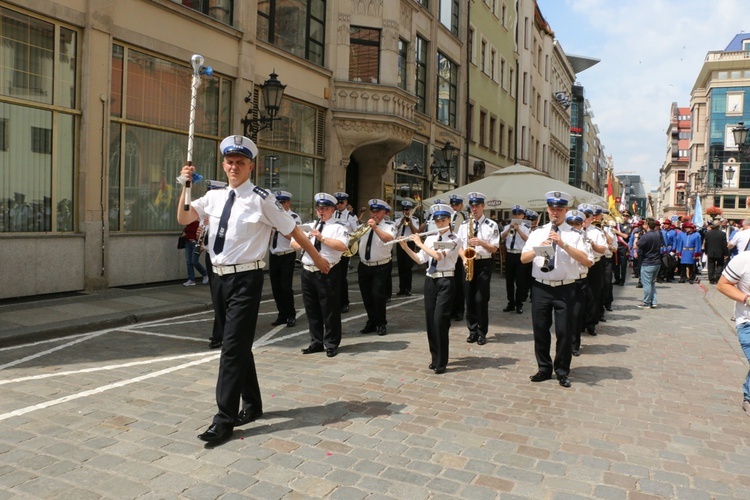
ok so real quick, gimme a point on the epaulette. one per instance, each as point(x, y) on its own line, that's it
point(389, 222)
point(488, 221)
point(339, 222)
point(261, 192)
point(295, 216)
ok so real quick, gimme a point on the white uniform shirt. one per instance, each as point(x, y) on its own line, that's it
point(609, 231)
point(596, 236)
point(283, 245)
point(566, 268)
point(348, 218)
point(741, 240)
point(254, 215)
point(378, 251)
point(449, 255)
point(405, 230)
point(458, 218)
point(519, 242)
point(486, 230)
point(332, 230)
point(738, 271)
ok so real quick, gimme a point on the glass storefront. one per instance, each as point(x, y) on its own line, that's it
point(38, 67)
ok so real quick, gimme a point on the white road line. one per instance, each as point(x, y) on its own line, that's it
point(101, 368)
point(99, 390)
point(165, 335)
point(49, 351)
point(40, 342)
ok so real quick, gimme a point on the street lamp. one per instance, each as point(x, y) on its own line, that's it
point(272, 91)
point(740, 139)
point(441, 167)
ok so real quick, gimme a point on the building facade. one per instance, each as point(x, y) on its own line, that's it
point(95, 107)
point(677, 190)
point(718, 104)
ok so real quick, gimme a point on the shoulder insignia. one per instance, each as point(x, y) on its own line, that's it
point(295, 216)
point(260, 192)
point(338, 221)
point(389, 222)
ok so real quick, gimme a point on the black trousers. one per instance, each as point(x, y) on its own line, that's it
point(216, 332)
point(621, 264)
point(438, 295)
point(477, 292)
point(373, 281)
point(405, 266)
point(459, 277)
point(281, 274)
point(595, 280)
point(236, 300)
point(607, 293)
point(344, 281)
point(715, 268)
point(583, 298)
point(557, 302)
point(320, 293)
point(516, 284)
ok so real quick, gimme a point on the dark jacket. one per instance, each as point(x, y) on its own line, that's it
point(649, 248)
point(716, 244)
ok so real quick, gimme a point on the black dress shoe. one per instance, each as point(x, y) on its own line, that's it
point(401, 292)
point(440, 370)
point(216, 433)
point(509, 308)
point(563, 380)
point(345, 308)
point(312, 350)
point(278, 322)
point(291, 322)
point(331, 352)
point(603, 319)
point(381, 330)
point(519, 310)
point(591, 330)
point(472, 338)
point(540, 377)
point(639, 285)
point(576, 352)
point(432, 366)
point(608, 308)
point(481, 340)
point(214, 344)
point(367, 329)
point(247, 415)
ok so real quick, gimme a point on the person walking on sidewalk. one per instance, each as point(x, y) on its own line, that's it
point(192, 258)
point(441, 251)
point(374, 271)
point(281, 267)
point(717, 251)
point(735, 284)
point(649, 249)
point(242, 217)
point(555, 287)
point(485, 242)
point(320, 292)
point(514, 236)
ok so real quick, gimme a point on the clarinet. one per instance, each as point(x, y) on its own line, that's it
point(549, 261)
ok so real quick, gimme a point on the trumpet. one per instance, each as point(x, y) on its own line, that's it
point(406, 238)
point(353, 245)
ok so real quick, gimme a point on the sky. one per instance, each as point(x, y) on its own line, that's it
point(651, 52)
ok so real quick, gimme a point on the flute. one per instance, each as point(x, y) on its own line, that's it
point(426, 233)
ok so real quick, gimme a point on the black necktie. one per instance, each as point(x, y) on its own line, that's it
point(513, 240)
point(476, 229)
point(369, 245)
point(317, 240)
point(433, 261)
point(403, 229)
point(275, 239)
point(223, 221)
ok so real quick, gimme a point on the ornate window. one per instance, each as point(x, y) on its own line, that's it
point(364, 50)
point(447, 90)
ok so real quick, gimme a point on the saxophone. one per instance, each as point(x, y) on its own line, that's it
point(353, 245)
point(469, 253)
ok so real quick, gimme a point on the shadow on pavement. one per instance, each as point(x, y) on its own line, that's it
point(604, 348)
point(478, 363)
point(591, 375)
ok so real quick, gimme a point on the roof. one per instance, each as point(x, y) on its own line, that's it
point(581, 63)
point(736, 44)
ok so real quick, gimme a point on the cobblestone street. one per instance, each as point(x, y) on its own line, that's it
point(654, 410)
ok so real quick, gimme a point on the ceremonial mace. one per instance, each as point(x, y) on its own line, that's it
point(198, 69)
